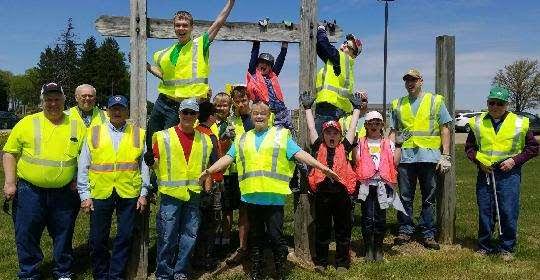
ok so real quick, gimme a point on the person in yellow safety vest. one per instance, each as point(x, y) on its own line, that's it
point(265, 161)
point(86, 109)
point(112, 177)
point(499, 143)
point(345, 121)
point(183, 69)
point(40, 164)
point(181, 154)
point(239, 123)
point(425, 116)
point(335, 81)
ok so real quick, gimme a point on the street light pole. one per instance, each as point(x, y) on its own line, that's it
point(385, 54)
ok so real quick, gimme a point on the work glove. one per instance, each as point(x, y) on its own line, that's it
point(444, 164)
point(402, 136)
point(356, 100)
point(149, 158)
point(307, 99)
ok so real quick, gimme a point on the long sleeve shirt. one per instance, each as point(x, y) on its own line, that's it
point(529, 151)
point(280, 60)
point(327, 51)
point(85, 159)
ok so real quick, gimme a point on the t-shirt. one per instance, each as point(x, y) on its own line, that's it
point(186, 140)
point(410, 155)
point(374, 146)
point(266, 198)
point(175, 53)
point(327, 185)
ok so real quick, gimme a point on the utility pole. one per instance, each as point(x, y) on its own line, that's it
point(385, 54)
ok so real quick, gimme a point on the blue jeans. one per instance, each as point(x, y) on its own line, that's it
point(164, 115)
point(408, 174)
point(104, 265)
point(35, 208)
point(177, 225)
point(508, 188)
point(326, 112)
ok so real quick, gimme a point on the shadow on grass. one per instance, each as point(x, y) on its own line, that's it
point(81, 263)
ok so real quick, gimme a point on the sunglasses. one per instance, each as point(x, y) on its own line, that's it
point(191, 113)
point(496, 103)
point(364, 100)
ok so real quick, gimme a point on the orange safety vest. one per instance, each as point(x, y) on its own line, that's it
point(257, 88)
point(365, 169)
point(341, 166)
point(217, 176)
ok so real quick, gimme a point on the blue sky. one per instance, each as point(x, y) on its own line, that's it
point(489, 35)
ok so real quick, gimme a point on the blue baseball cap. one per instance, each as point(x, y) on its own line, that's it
point(117, 100)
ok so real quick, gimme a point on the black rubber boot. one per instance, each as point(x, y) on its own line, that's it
point(369, 249)
point(378, 254)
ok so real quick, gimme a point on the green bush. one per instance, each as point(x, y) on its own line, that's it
point(4, 134)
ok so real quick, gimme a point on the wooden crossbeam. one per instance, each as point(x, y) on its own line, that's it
point(118, 26)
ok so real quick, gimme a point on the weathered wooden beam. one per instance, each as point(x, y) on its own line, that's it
point(444, 84)
point(118, 26)
point(304, 212)
point(138, 262)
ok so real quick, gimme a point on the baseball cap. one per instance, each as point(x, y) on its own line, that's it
point(51, 88)
point(330, 124)
point(498, 92)
point(189, 104)
point(373, 115)
point(117, 100)
point(414, 73)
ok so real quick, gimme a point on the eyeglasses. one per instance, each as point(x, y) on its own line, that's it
point(496, 103)
point(191, 113)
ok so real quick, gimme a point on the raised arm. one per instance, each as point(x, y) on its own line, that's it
point(254, 57)
point(351, 130)
point(220, 20)
point(306, 99)
point(280, 58)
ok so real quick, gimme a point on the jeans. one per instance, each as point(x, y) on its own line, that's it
point(266, 221)
point(373, 217)
point(104, 265)
point(336, 207)
point(164, 115)
point(408, 174)
point(326, 112)
point(35, 208)
point(177, 225)
point(508, 188)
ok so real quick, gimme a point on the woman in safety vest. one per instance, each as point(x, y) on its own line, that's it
point(376, 161)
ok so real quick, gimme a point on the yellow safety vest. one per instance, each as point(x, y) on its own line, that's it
point(506, 143)
point(266, 170)
point(336, 89)
point(177, 177)
point(424, 126)
point(345, 122)
point(189, 77)
point(49, 159)
point(110, 169)
point(98, 116)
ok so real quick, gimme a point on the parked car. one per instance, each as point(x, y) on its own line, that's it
point(8, 120)
point(462, 121)
point(534, 121)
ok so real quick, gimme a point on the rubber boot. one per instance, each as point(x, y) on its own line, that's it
point(256, 264)
point(369, 249)
point(378, 255)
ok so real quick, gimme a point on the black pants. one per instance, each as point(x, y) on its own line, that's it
point(373, 217)
point(334, 207)
point(266, 221)
point(210, 217)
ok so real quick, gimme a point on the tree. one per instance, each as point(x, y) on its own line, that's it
point(113, 75)
point(68, 65)
point(522, 79)
point(25, 88)
point(5, 77)
point(89, 62)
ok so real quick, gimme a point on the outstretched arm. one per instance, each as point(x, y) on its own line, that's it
point(306, 158)
point(220, 20)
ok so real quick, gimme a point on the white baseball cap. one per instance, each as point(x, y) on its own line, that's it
point(373, 115)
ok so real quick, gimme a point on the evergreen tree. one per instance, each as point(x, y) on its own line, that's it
point(4, 90)
point(68, 65)
point(113, 75)
point(89, 63)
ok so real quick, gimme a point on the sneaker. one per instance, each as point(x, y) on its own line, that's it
point(180, 276)
point(402, 239)
point(237, 257)
point(507, 256)
point(430, 243)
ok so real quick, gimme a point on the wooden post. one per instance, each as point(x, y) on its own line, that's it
point(304, 227)
point(137, 267)
point(444, 85)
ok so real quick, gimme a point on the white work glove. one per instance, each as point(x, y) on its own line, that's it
point(444, 164)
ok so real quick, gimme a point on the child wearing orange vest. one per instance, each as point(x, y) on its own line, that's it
point(263, 84)
point(376, 161)
point(332, 198)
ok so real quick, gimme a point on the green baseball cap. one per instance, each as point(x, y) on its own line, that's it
point(500, 93)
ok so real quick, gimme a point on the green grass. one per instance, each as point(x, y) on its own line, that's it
point(456, 261)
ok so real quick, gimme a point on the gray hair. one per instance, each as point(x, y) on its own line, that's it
point(85, 86)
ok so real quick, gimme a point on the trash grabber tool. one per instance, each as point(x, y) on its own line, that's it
point(494, 185)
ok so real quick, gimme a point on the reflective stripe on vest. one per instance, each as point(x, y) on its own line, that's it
point(432, 130)
point(345, 91)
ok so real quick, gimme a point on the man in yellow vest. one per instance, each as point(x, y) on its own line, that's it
point(265, 162)
point(183, 69)
point(499, 142)
point(112, 177)
point(86, 109)
point(181, 154)
point(335, 81)
point(40, 164)
point(425, 116)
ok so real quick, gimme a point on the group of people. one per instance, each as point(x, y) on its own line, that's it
point(207, 156)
